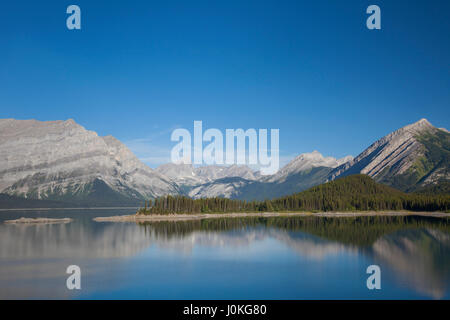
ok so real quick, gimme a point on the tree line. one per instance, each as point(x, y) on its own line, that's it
point(352, 193)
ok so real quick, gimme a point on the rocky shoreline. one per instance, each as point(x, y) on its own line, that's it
point(38, 220)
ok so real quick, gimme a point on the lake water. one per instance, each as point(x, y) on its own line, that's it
point(239, 258)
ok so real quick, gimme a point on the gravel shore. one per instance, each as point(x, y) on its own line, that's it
point(178, 217)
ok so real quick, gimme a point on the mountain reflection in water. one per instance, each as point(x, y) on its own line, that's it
point(413, 252)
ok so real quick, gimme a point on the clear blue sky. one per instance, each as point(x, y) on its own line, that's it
point(139, 69)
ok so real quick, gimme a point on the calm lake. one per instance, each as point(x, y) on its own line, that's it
point(236, 258)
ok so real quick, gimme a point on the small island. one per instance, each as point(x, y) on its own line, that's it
point(39, 220)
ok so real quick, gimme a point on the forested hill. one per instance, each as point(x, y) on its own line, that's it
point(360, 192)
point(352, 193)
point(358, 184)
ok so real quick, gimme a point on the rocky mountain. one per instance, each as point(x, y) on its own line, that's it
point(409, 158)
point(62, 161)
point(214, 172)
point(188, 175)
point(306, 162)
point(226, 187)
point(181, 174)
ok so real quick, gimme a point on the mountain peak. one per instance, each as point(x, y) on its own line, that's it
point(307, 161)
point(315, 155)
point(421, 125)
point(423, 120)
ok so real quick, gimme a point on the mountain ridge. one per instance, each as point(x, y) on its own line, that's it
point(62, 161)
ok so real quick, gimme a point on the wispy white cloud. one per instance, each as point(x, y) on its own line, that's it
point(148, 152)
point(155, 149)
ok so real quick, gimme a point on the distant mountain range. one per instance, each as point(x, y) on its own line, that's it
point(60, 162)
point(305, 171)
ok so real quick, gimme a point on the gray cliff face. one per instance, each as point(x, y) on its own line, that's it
point(415, 155)
point(214, 172)
point(226, 187)
point(58, 159)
